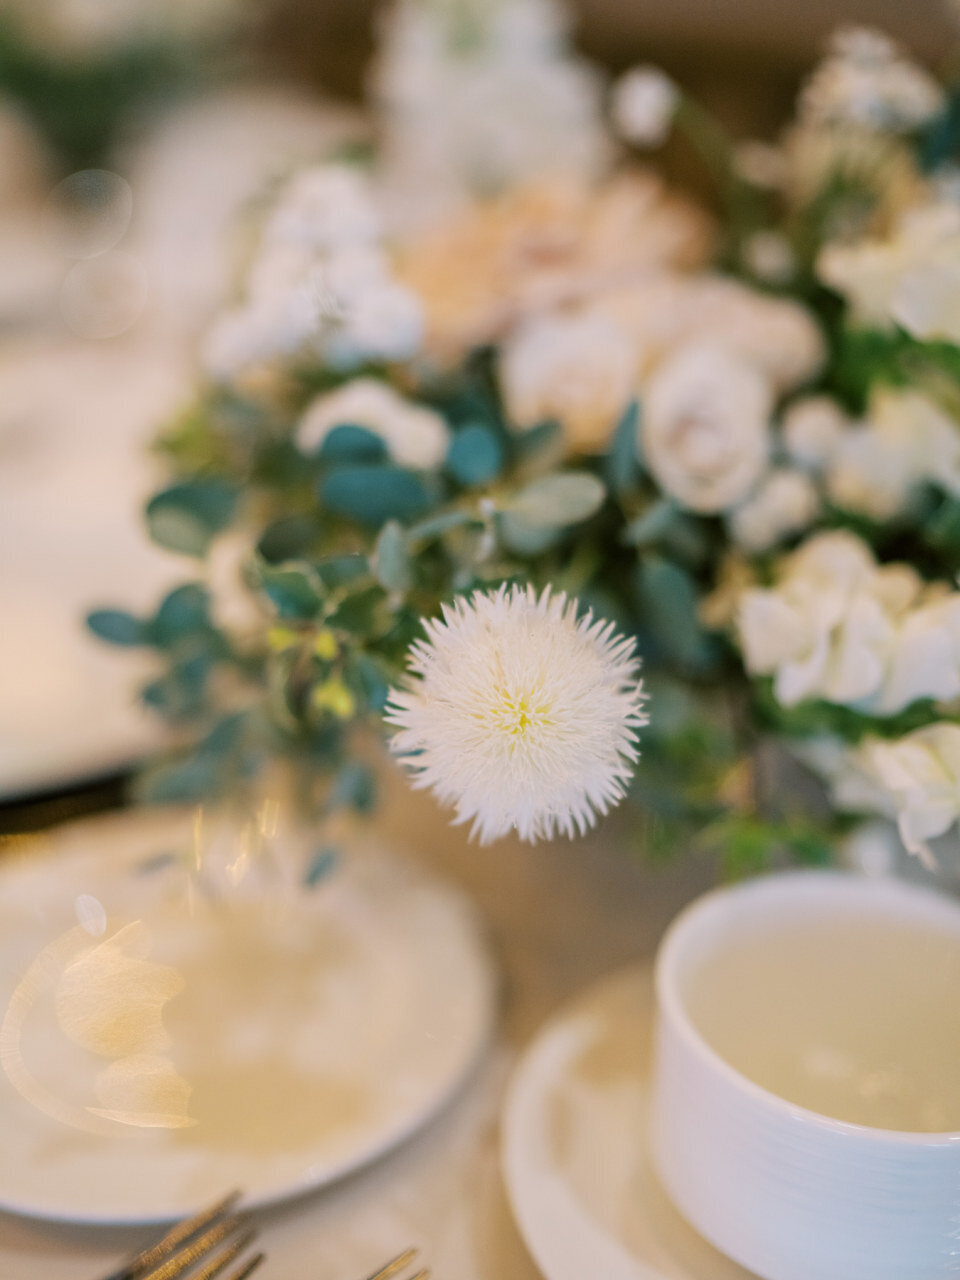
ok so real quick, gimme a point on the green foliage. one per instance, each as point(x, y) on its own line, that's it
point(372, 495)
point(117, 627)
point(187, 516)
point(475, 455)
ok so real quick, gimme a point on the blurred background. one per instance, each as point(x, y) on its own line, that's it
point(133, 133)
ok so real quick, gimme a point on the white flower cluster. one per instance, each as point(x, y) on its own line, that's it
point(707, 357)
point(476, 95)
point(320, 284)
point(875, 467)
point(520, 714)
point(839, 627)
point(910, 277)
point(866, 81)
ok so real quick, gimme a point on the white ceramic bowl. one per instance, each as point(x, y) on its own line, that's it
point(786, 1192)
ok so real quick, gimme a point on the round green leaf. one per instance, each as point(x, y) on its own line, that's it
point(553, 501)
point(475, 455)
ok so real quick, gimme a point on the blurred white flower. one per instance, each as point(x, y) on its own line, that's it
point(761, 163)
point(836, 625)
point(576, 368)
point(413, 435)
point(907, 440)
point(872, 849)
point(777, 335)
point(785, 502)
point(320, 284)
point(812, 430)
point(866, 81)
point(325, 208)
point(910, 277)
point(474, 98)
point(520, 715)
point(643, 103)
point(769, 257)
point(705, 427)
point(921, 773)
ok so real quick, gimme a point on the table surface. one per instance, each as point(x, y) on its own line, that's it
point(560, 916)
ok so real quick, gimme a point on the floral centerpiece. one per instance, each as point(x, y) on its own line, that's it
point(434, 445)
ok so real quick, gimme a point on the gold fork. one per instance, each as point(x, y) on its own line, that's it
point(391, 1269)
point(204, 1245)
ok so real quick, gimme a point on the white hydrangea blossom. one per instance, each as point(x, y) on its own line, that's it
point(414, 435)
point(320, 283)
point(866, 81)
point(837, 626)
point(643, 104)
point(705, 427)
point(475, 97)
point(520, 715)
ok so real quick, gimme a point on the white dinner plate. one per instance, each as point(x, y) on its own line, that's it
point(575, 1155)
point(157, 1049)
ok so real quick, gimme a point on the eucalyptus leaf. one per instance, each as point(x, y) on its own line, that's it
point(292, 589)
point(117, 627)
point(557, 500)
point(354, 787)
point(287, 538)
point(668, 602)
point(391, 560)
point(187, 516)
point(184, 611)
point(621, 466)
point(351, 443)
point(375, 494)
point(475, 455)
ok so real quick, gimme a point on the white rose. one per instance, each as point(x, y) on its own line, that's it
point(776, 334)
point(413, 435)
point(643, 105)
point(812, 430)
point(921, 773)
point(325, 208)
point(785, 502)
point(578, 369)
point(704, 428)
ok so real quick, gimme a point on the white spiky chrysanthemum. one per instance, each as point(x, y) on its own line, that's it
point(519, 714)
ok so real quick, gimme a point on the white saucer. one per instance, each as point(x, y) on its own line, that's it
point(152, 1058)
point(575, 1156)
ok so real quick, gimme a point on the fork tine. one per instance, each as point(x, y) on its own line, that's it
point(214, 1265)
point(249, 1267)
point(394, 1266)
point(197, 1249)
point(178, 1233)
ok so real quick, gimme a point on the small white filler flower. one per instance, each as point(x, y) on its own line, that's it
point(519, 714)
